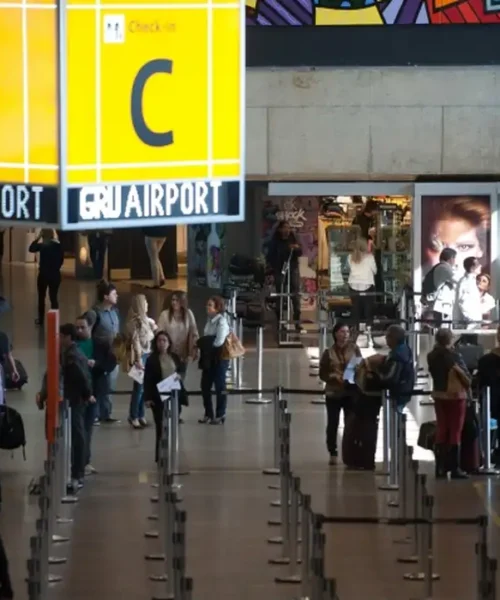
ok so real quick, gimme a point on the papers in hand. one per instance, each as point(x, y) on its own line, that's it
point(136, 374)
point(350, 370)
point(169, 384)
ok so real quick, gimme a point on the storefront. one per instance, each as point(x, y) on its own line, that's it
point(413, 223)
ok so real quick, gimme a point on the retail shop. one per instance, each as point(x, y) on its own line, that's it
point(413, 223)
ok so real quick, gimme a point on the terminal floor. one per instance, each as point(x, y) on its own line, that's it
point(225, 495)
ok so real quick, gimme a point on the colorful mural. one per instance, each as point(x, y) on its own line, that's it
point(301, 13)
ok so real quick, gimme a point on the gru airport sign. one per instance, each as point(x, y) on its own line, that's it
point(144, 109)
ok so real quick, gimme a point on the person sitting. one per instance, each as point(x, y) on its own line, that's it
point(451, 387)
point(339, 392)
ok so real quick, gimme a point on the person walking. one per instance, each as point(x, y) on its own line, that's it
point(106, 329)
point(101, 361)
point(338, 391)
point(179, 322)
point(140, 330)
point(160, 364)
point(50, 261)
point(451, 384)
point(212, 363)
point(155, 238)
point(98, 241)
point(283, 258)
point(361, 282)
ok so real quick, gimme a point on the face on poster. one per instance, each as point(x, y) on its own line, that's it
point(462, 223)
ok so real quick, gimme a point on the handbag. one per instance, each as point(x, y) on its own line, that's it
point(427, 435)
point(232, 347)
point(458, 383)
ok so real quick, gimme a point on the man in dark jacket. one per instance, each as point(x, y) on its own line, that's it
point(283, 258)
point(397, 373)
point(77, 388)
point(366, 220)
point(101, 361)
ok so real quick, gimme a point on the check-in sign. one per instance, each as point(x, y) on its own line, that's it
point(155, 93)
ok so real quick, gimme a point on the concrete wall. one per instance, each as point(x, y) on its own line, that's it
point(371, 123)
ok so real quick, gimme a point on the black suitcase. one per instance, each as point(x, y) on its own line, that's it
point(359, 442)
point(23, 376)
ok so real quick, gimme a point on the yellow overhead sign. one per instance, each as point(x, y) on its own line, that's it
point(154, 92)
point(28, 93)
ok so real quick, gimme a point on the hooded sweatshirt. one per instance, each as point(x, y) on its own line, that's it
point(398, 373)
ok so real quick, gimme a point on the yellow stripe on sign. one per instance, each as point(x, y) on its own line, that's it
point(340, 16)
point(484, 491)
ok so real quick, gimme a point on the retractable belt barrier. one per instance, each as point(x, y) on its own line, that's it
point(302, 538)
point(53, 494)
point(172, 522)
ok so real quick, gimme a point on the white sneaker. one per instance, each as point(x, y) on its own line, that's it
point(143, 422)
point(89, 470)
point(135, 424)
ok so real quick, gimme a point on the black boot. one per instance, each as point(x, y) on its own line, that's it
point(440, 460)
point(456, 471)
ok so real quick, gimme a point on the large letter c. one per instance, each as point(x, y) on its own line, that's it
point(144, 133)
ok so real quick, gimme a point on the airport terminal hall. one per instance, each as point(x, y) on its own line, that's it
point(249, 300)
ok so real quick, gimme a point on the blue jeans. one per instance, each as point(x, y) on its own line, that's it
point(216, 377)
point(136, 410)
point(104, 401)
point(97, 250)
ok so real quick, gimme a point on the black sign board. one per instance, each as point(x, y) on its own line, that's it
point(24, 203)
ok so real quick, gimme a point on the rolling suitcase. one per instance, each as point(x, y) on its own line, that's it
point(359, 442)
point(23, 376)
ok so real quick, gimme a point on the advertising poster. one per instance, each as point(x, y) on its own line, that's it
point(301, 213)
point(206, 244)
point(459, 222)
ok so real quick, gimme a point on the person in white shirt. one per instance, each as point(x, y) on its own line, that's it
point(362, 271)
point(488, 303)
point(467, 309)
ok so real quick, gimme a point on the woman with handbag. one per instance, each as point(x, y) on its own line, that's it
point(339, 392)
point(214, 361)
point(451, 389)
point(179, 322)
point(161, 363)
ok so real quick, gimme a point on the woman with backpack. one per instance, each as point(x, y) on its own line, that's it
point(339, 392)
point(141, 330)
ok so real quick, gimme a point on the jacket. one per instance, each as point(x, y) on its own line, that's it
point(153, 376)
point(279, 251)
point(467, 305)
point(450, 377)
point(365, 223)
point(212, 341)
point(105, 362)
point(76, 377)
point(51, 257)
point(141, 335)
point(333, 364)
point(397, 374)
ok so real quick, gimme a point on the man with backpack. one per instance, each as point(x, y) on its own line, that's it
point(438, 287)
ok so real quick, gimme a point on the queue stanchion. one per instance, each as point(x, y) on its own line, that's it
point(179, 555)
point(399, 501)
point(260, 357)
point(239, 360)
point(487, 468)
point(482, 566)
point(318, 566)
point(275, 469)
point(323, 345)
point(426, 551)
point(419, 492)
point(305, 547)
point(187, 588)
point(174, 414)
point(406, 479)
point(66, 460)
point(386, 433)
point(164, 446)
point(295, 574)
point(168, 539)
point(392, 485)
point(284, 454)
point(284, 502)
point(492, 578)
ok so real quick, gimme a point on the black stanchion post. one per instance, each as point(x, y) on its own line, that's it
point(318, 563)
point(294, 576)
point(407, 479)
point(418, 494)
point(323, 344)
point(260, 355)
point(399, 500)
point(425, 559)
point(482, 560)
point(187, 588)
point(164, 460)
point(487, 468)
point(275, 470)
point(392, 485)
point(305, 548)
point(176, 471)
point(492, 578)
point(284, 437)
point(285, 482)
point(66, 422)
point(386, 432)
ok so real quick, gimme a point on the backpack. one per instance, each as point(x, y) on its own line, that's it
point(122, 349)
point(429, 291)
point(12, 434)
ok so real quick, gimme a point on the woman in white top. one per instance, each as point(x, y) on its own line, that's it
point(487, 301)
point(178, 321)
point(212, 364)
point(362, 271)
point(141, 330)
